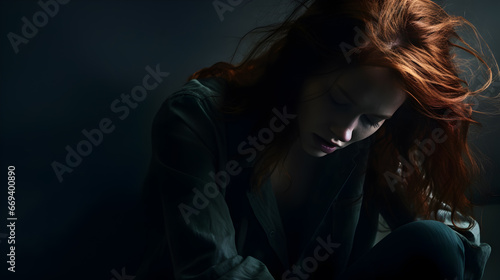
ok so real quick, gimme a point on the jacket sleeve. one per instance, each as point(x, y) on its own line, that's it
point(196, 221)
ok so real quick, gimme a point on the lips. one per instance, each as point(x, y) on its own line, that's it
point(327, 143)
point(325, 146)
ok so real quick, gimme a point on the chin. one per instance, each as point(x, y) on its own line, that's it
point(308, 147)
point(315, 153)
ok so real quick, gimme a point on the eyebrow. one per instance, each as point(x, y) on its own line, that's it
point(344, 92)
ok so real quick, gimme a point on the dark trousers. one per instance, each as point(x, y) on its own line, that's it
point(418, 250)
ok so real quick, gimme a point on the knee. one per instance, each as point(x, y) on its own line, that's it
point(437, 243)
point(437, 234)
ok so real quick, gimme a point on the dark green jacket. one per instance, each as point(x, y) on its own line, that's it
point(205, 229)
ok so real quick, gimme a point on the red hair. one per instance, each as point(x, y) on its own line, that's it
point(414, 38)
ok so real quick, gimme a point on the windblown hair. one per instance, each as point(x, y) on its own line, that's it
point(418, 40)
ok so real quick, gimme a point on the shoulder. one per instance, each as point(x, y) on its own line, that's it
point(188, 123)
point(206, 92)
point(194, 104)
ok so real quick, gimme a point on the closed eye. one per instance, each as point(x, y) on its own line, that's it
point(372, 123)
point(367, 120)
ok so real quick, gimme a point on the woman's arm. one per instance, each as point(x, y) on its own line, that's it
point(199, 235)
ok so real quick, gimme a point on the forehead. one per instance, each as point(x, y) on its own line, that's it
point(371, 77)
point(374, 87)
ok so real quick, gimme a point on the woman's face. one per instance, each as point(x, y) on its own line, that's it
point(346, 106)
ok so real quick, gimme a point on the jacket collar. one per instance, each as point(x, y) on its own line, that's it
point(342, 163)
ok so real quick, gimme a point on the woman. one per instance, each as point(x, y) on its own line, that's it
point(278, 167)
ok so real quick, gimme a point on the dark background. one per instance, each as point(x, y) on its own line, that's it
point(65, 79)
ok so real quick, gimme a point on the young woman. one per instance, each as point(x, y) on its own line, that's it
point(278, 167)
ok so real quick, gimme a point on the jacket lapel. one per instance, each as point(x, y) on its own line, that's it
point(266, 210)
point(331, 183)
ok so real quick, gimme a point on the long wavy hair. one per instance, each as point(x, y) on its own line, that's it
point(419, 41)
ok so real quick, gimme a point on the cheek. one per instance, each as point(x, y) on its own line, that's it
point(315, 113)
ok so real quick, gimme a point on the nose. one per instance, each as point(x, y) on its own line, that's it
point(345, 135)
point(343, 132)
